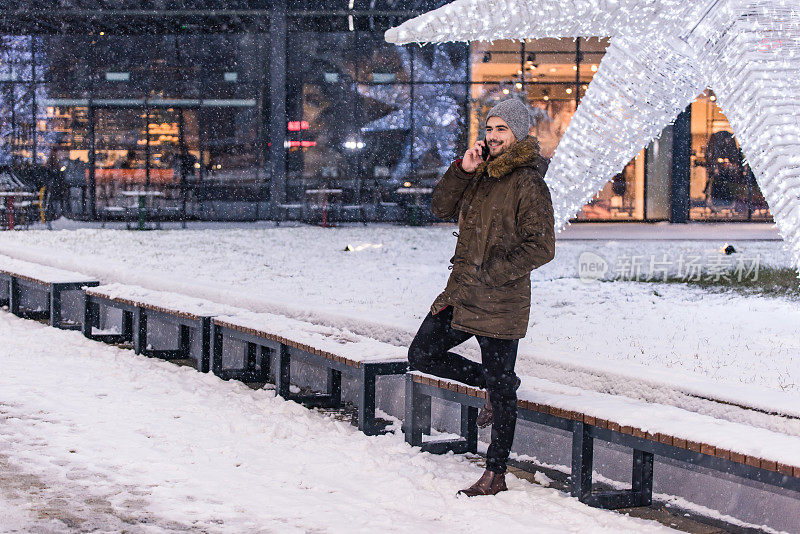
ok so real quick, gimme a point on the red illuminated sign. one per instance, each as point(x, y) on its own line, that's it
point(296, 126)
point(302, 144)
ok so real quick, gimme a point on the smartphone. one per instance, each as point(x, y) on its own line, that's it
point(485, 152)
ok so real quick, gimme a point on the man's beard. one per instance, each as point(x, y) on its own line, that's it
point(502, 148)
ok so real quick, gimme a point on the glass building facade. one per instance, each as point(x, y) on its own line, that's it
point(263, 102)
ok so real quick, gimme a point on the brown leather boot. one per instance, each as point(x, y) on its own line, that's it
point(490, 483)
point(485, 414)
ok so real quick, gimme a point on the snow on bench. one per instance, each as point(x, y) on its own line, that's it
point(327, 341)
point(161, 301)
point(648, 428)
point(191, 315)
point(22, 277)
point(338, 351)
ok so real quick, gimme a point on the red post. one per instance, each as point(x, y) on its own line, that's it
point(10, 208)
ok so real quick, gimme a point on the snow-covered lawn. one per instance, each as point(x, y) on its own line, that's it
point(585, 334)
point(94, 438)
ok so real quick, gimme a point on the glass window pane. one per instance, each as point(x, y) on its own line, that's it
point(722, 185)
point(63, 63)
point(231, 147)
point(63, 140)
point(551, 88)
point(500, 61)
point(446, 62)
point(17, 126)
point(15, 58)
point(438, 133)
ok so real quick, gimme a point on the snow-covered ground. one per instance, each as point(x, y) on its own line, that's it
point(582, 333)
point(94, 438)
point(171, 462)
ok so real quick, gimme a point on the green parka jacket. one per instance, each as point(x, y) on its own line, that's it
point(505, 230)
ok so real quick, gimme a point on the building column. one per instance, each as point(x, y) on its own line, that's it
point(658, 162)
point(92, 186)
point(277, 115)
point(681, 160)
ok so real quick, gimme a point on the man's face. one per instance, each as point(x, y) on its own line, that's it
point(499, 136)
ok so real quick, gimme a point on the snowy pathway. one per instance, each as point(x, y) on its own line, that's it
point(94, 437)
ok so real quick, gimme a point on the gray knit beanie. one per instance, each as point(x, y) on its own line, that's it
point(516, 115)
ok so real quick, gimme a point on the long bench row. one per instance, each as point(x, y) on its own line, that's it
point(203, 327)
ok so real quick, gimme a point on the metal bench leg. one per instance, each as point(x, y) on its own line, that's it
point(469, 427)
point(265, 363)
point(282, 373)
point(366, 400)
point(185, 341)
point(13, 296)
point(139, 331)
point(641, 493)
point(127, 326)
point(642, 477)
point(216, 360)
point(582, 460)
point(334, 388)
point(6, 301)
point(55, 305)
point(204, 360)
point(418, 413)
point(257, 363)
point(250, 361)
point(89, 316)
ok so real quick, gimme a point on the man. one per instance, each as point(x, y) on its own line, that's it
point(506, 229)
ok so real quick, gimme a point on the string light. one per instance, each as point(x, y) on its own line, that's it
point(661, 57)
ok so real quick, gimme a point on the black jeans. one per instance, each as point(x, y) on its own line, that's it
point(429, 353)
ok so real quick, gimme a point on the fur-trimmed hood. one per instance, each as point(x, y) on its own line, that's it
point(521, 154)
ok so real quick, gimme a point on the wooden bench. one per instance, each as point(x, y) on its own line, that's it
point(646, 428)
point(140, 306)
point(339, 352)
point(21, 277)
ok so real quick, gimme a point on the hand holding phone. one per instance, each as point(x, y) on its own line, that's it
point(475, 156)
point(485, 153)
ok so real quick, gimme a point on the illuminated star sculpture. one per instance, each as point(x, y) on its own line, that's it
point(438, 113)
point(662, 55)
